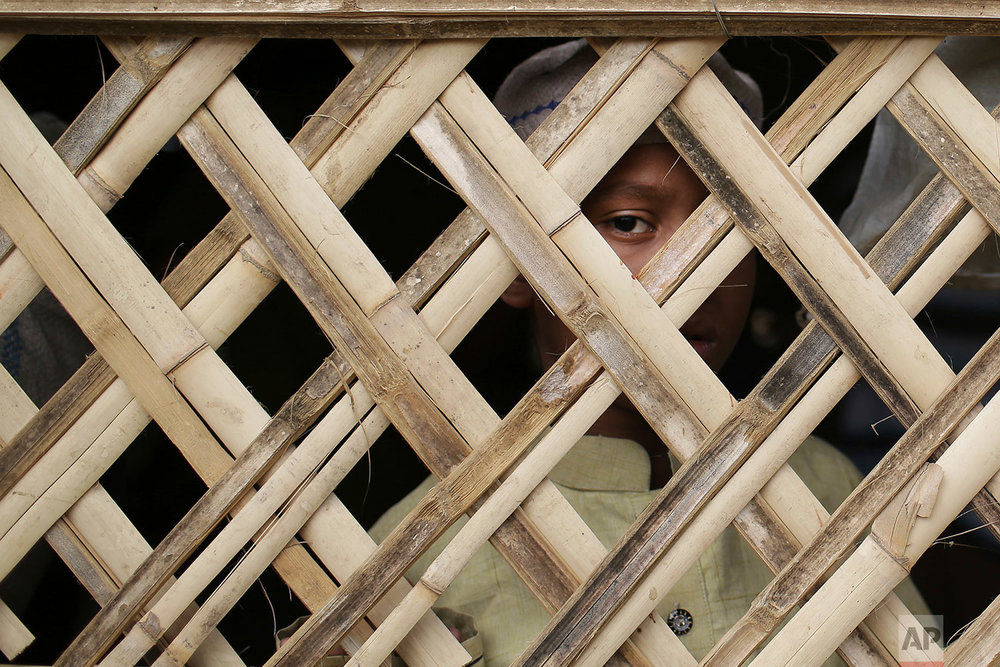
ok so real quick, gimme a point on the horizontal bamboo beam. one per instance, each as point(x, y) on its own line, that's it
point(450, 18)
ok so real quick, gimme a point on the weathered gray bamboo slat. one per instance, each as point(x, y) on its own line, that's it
point(139, 72)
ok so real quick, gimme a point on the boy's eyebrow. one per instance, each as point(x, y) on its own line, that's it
point(626, 189)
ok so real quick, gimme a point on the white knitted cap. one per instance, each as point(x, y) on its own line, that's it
point(535, 87)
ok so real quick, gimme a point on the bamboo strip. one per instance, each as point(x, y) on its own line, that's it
point(355, 92)
point(448, 18)
point(158, 115)
point(294, 472)
point(307, 501)
point(18, 286)
point(977, 645)
point(7, 42)
point(397, 105)
point(122, 47)
point(85, 431)
point(14, 635)
point(137, 73)
point(108, 532)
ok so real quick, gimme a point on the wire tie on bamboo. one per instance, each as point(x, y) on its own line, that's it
point(195, 350)
point(558, 228)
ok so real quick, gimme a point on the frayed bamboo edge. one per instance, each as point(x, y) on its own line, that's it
point(14, 635)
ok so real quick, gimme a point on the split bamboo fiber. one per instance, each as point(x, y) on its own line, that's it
point(272, 480)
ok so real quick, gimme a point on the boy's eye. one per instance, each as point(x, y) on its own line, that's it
point(630, 224)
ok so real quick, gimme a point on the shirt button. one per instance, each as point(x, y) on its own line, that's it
point(680, 621)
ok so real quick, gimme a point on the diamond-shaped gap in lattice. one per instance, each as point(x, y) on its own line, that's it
point(47, 597)
point(56, 75)
point(168, 210)
point(290, 78)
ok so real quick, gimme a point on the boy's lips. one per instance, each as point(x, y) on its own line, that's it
point(702, 347)
point(701, 339)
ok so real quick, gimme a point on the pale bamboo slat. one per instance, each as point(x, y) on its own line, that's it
point(14, 635)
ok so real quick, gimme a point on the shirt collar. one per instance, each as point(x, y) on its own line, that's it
point(600, 463)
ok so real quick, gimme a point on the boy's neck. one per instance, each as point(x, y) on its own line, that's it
point(624, 422)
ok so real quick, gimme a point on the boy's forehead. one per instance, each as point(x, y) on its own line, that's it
point(648, 169)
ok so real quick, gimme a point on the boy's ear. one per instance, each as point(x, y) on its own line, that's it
point(518, 294)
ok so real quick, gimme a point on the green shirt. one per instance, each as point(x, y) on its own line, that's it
point(606, 480)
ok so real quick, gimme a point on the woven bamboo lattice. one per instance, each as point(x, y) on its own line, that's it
point(272, 479)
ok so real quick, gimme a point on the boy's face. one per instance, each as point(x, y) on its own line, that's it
point(637, 207)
